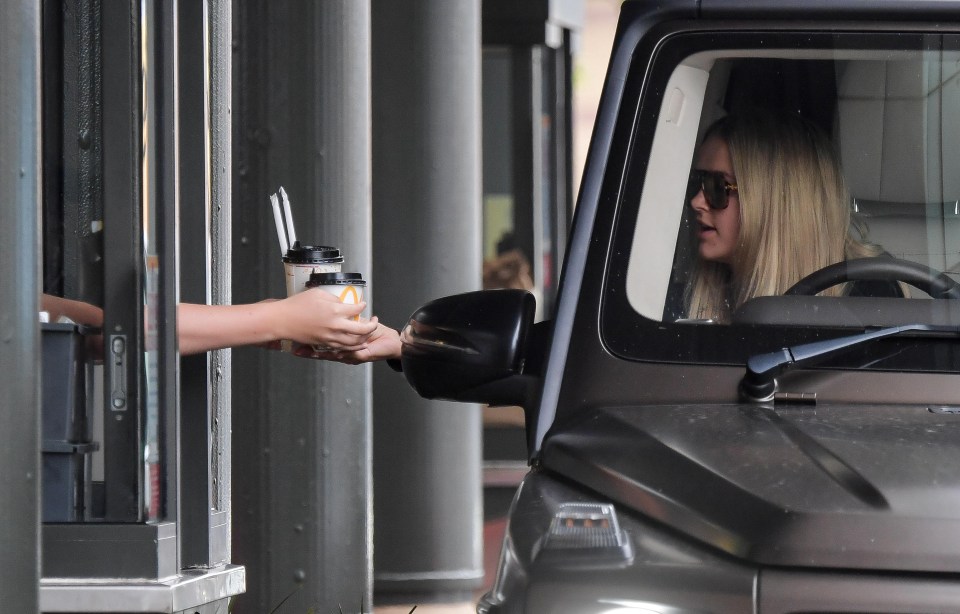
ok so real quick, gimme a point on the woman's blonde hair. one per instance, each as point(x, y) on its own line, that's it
point(795, 215)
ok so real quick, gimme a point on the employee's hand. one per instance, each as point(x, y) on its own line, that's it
point(314, 317)
point(77, 311)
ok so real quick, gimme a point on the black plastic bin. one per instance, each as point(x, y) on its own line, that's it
point(66, 480)
point(65, 423)
point(64, 399)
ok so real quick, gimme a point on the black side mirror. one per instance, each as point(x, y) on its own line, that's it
point(471, 347)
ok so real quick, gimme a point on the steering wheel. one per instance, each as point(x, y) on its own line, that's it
point(880, 268)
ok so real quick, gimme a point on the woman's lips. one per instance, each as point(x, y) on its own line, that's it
point(704, 229)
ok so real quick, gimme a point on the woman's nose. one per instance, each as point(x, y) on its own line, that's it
point(698, 202)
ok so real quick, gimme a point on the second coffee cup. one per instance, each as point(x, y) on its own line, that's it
point(347, 287)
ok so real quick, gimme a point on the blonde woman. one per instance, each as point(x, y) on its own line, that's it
point(770, 208)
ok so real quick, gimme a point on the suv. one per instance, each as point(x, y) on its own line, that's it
point(800, 456)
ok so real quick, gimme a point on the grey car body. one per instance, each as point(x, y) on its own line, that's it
point(656, 484)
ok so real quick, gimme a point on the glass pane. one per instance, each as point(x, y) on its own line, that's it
point(498, 118)
point(884, 135)
point(151, 300)
point(794, 190)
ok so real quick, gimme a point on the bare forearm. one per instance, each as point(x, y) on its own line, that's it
point(210, 327)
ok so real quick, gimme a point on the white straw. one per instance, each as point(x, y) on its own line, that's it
point(276, 219)
point(286, 211)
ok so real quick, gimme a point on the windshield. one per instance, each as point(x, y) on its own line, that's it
point(782, 189)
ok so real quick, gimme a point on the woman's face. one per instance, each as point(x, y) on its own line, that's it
point(718, 229)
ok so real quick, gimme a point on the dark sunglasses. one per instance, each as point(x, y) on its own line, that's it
point(716, 189)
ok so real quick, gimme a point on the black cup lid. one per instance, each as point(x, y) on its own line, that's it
point(340, 278)
point(312, 254)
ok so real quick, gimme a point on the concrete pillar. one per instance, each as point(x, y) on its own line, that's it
point(20, 275)
point(427, 244)
point(301, 428)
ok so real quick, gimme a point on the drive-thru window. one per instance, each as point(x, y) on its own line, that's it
point(135, 449)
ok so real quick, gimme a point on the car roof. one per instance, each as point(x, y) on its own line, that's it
point(886, 10)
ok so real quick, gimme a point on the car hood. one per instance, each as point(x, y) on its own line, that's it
point(851, 486)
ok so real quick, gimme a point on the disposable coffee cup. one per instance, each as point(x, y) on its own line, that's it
point(301, 261)
point(347, 287)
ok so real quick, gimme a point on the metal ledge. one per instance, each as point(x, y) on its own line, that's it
point(504, 474)
point(191, 589)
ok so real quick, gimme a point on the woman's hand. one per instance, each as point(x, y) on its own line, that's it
point(382, 344)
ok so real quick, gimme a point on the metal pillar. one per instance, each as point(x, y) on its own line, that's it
point(301, 438)
point(205, 265)
point(20, 275)
point(427, 244)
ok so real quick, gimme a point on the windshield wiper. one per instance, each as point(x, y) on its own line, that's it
point(759, 384)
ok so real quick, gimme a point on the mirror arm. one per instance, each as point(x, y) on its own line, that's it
point(537, 346)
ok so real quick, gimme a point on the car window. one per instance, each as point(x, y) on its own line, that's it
point(757, 160)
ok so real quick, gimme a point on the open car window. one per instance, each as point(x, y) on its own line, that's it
point(887, 106)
